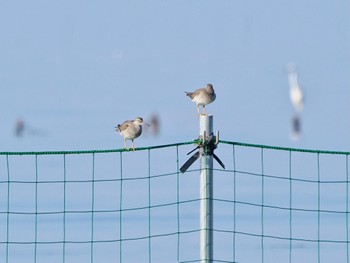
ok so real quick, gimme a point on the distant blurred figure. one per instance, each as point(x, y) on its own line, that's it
point(296, 127)
point(297, 99)
point(22, 127)
point(19, 127)
point(295, 92)
point(155, 124)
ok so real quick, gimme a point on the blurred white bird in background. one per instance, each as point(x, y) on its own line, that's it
point(297, 98)
point(295, 91)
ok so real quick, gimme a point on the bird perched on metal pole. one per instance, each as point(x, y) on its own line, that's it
point(130, 130)
point(202, 97)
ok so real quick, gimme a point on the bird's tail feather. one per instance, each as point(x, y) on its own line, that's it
point(189, 94)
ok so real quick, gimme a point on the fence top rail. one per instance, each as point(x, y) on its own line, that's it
point(99, 151)
point(261, 146)
point(278, 148)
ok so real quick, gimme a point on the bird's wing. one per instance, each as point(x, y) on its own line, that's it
point(193, 94)
point(124, 125)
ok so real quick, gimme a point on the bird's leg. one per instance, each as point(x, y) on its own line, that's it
point(204, 111)
point(198, 111)
point(125, 145)
point(133, 145)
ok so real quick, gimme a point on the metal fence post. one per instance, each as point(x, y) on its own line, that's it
point(206, 192)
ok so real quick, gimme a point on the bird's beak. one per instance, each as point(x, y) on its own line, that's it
point(147, 124)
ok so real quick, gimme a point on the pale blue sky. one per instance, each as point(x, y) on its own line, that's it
point(77, 68)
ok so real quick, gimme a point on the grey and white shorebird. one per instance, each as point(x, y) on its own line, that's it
point(202, 97)
point(130, 130)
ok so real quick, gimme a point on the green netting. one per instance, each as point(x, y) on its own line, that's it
point(271, 204)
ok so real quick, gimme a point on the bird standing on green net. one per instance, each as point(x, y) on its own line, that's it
point(130, 130)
